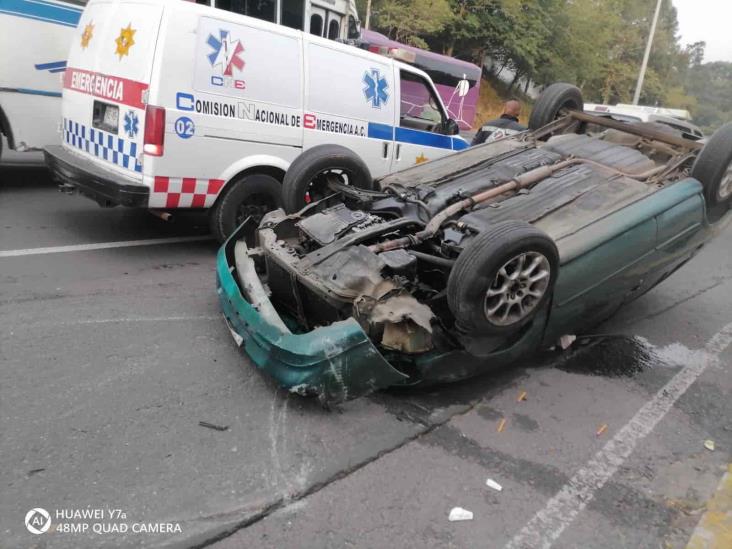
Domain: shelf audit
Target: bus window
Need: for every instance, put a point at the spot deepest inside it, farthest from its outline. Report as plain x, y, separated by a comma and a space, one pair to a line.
354, 28
334, 29
261, 9
292, 14
316, 24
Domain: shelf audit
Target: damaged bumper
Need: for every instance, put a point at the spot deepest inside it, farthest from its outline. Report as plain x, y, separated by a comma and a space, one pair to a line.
336, 362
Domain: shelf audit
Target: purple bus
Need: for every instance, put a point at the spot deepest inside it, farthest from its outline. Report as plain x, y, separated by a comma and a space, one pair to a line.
458, 82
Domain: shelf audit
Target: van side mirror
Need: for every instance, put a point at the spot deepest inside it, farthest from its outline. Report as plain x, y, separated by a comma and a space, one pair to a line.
450, 127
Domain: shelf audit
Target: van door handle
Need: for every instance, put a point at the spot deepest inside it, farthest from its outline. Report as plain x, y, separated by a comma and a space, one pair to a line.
399, 152
385, 151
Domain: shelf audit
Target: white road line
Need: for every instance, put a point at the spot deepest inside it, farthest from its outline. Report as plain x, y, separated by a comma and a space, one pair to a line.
102, 246
140, 319
549, 523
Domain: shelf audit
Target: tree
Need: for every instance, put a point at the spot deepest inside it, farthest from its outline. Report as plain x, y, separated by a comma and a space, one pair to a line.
408, 20
709, 83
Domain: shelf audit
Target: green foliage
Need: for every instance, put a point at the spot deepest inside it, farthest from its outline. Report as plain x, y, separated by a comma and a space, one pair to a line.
597, 44
711, 85
408, 20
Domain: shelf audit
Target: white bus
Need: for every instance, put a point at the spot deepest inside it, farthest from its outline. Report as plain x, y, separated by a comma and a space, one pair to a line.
35, 36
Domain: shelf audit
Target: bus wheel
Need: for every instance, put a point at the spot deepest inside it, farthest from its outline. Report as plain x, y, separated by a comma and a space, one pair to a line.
246, 196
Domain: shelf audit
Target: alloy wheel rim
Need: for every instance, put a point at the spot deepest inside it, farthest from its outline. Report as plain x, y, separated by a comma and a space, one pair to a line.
517, 288
725, 186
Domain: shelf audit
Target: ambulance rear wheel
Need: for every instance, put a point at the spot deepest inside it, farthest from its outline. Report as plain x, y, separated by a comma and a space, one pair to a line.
306, 179
250, 195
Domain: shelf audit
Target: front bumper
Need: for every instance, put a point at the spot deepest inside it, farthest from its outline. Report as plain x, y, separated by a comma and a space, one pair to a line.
336, 362
85, 176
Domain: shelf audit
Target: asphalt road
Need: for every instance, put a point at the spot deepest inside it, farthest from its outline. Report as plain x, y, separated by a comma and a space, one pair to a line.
110, 358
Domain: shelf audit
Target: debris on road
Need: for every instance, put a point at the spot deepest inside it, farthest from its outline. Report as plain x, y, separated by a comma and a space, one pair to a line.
501, 425
458, 513
601, 430
521, 397
490, 483
214, 427
709, 445
565, 342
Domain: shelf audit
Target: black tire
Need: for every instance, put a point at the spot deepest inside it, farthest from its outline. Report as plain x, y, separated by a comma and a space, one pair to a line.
476, 271
552, 101
247, 195
304, 177
713, 169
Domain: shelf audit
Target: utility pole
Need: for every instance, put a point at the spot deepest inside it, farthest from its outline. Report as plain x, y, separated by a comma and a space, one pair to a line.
646, 55
368, 14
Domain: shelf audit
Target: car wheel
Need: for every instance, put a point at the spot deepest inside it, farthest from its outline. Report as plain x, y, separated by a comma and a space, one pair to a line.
713, 169
552, 102
502, 279
249, 195
305, 180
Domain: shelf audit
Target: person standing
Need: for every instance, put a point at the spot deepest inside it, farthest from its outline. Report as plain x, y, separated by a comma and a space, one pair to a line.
506, 124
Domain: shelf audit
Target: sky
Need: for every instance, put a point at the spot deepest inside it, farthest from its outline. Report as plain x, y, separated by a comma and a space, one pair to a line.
708, 20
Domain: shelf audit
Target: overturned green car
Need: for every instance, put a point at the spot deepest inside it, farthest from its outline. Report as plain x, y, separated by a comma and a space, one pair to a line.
437, 272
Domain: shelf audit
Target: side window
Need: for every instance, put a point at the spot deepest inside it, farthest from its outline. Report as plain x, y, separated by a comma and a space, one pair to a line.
292, 13
316, 24
354, 30
419, 108
260, 9
334, 29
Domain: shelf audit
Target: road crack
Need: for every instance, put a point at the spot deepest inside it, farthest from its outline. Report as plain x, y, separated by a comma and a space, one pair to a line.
284, 501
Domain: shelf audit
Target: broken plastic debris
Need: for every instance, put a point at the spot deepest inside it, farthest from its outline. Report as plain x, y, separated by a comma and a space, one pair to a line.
458, 513
490, 483
301, 389
213, 426
709, 445
565, 342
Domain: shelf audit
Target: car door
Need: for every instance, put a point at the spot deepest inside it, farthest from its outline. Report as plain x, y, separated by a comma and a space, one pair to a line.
419, 119
603, 265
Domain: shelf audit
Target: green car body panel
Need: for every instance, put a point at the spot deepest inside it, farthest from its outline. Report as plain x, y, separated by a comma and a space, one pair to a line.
606, 264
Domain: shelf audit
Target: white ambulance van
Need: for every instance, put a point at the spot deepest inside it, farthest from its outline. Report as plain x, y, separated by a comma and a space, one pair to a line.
169, 104
34, 39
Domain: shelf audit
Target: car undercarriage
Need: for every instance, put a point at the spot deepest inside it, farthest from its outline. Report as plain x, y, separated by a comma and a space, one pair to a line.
384, 258
464, 259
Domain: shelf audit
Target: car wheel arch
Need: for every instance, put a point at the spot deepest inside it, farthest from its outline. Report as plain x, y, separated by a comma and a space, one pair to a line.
258, 164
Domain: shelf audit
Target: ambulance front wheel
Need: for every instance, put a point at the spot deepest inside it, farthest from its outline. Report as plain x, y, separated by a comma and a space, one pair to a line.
248, 195
306, 178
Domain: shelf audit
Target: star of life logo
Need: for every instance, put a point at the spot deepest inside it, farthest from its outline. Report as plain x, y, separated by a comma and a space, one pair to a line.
37, 521
132, 124
376, 88
225, 57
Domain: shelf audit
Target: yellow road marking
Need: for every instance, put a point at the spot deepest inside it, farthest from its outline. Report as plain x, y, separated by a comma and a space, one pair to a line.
714, 530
